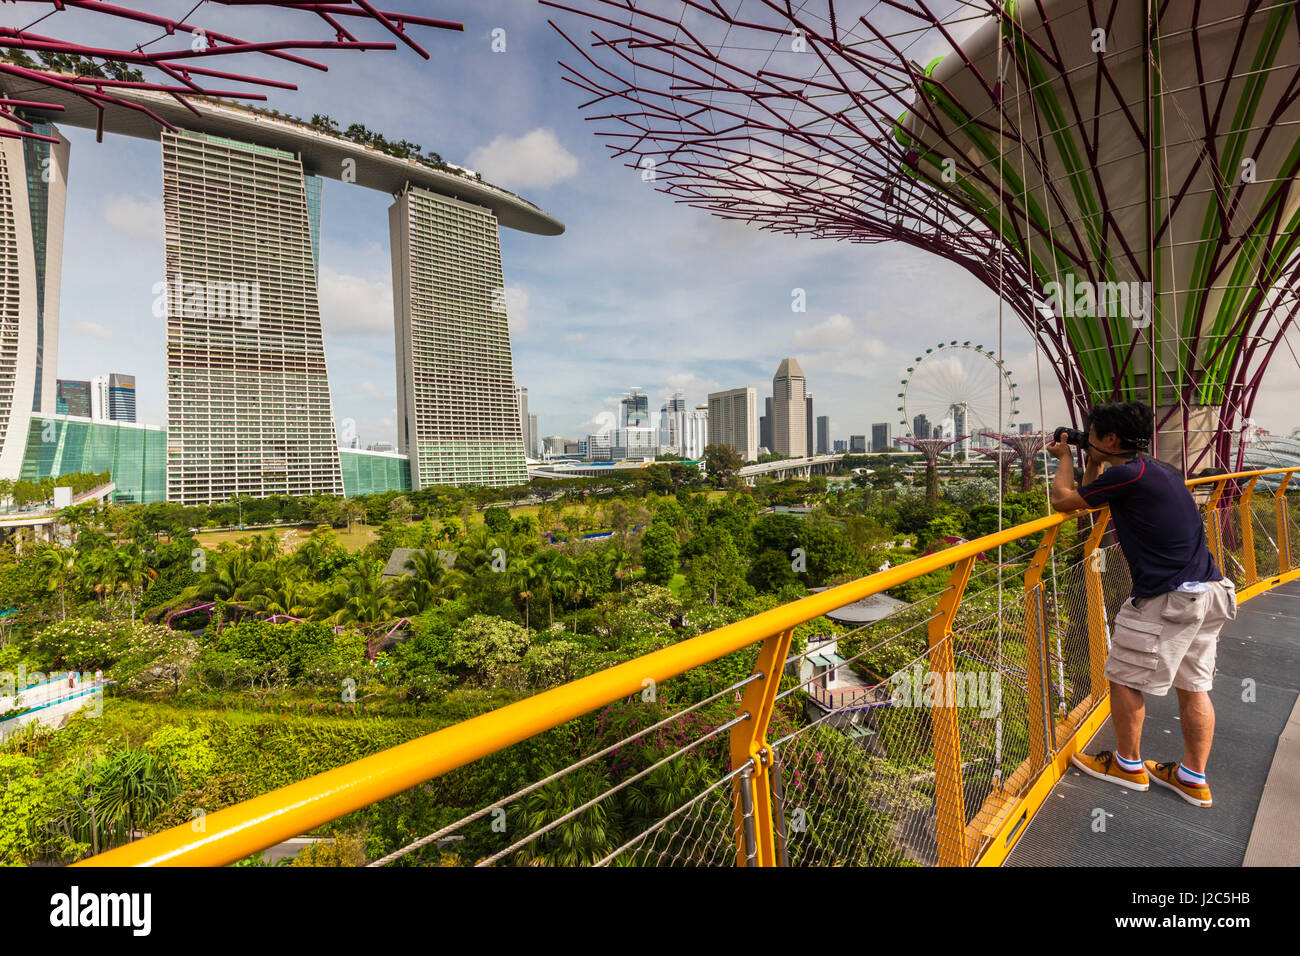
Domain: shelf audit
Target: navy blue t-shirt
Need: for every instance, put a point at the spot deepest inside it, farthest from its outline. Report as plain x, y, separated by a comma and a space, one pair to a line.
1159, 526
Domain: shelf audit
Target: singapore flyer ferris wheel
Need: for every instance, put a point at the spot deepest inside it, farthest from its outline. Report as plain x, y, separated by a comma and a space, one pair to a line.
957, 389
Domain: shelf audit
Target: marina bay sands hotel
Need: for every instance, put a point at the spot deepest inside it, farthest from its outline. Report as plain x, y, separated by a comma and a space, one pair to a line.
249, 409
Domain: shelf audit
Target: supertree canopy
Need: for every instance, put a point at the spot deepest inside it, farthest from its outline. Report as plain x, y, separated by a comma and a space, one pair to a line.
1028, 446
167, 54
1122, 174
1003, 457
931, 449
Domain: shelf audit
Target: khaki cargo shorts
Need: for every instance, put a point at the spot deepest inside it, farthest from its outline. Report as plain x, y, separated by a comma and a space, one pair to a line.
1170, 640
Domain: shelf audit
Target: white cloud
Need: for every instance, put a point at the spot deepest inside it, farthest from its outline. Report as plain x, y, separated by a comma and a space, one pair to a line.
137, 218
691, 384
517, 309
576, 337
833, 333
536, 160
351, 305
94, 330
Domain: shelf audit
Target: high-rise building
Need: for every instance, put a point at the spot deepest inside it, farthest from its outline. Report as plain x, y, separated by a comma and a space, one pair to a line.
99, 398
46, 168
636, 409
823, 434
958, 411
121, 397
840, 446
633, 442
696, 432
458, 411
672, 422
33, 190
598, 447
858, 444
533, 450
248, 401
72, 398
765, 425
880, 436
920, 426
732, 421
522, 395
789, 410
1026, 428
810, 442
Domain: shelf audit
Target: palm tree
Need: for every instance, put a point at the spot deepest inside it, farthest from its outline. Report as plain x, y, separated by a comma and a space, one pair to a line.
619, 563
526, 577
262, 548
59, 567
287, 594
565, 582
362, 597
131, 786
579, 841
101, 571
133, 571
429, 582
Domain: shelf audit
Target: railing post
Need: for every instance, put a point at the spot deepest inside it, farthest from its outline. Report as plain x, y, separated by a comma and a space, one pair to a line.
1248, 534
1283, 527
1035, 649
1096, 600
749, 742
949, 793
778, 811
1213, 534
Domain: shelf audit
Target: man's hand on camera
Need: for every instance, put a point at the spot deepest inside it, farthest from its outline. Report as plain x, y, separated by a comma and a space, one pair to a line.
1059, 449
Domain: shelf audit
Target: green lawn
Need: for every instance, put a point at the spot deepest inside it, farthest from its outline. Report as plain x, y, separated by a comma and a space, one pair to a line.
292, 537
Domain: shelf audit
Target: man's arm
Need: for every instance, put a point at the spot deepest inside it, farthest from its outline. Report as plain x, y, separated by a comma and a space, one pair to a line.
1064, 497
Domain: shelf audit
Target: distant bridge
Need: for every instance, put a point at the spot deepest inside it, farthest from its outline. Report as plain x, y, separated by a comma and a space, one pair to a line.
790, 468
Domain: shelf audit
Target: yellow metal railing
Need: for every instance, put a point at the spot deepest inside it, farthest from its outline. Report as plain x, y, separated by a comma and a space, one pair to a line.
974, 822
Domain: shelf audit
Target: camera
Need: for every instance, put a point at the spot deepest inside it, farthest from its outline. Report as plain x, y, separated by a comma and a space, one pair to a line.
1072, 436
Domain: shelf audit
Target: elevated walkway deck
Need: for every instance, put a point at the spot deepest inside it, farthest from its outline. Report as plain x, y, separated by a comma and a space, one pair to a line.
1256, 797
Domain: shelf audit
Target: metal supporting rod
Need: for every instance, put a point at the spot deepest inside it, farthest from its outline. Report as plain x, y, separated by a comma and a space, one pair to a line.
1035, 641
748, 836
1096, 600
778, 811
949, 795
1283, 526
1248, 534
749, 745
1049, 725
1213, 534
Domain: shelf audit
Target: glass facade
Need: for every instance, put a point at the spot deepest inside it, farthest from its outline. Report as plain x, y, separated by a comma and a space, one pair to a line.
373, 473
136, 456
35, 156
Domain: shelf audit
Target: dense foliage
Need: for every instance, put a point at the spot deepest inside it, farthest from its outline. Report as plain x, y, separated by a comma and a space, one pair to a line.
244, 660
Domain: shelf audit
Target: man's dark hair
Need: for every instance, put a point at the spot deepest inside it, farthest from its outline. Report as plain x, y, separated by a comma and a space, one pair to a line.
1133, 422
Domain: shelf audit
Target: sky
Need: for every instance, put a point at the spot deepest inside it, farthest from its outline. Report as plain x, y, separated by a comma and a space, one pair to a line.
638, 292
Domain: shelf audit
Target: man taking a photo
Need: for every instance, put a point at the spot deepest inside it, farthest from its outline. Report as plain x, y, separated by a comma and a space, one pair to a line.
1166, 634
